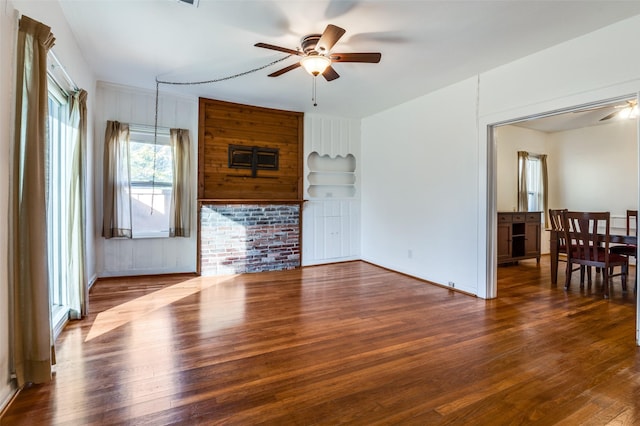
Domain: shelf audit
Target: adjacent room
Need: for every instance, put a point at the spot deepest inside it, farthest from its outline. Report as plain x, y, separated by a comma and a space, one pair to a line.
293, 212
590, 153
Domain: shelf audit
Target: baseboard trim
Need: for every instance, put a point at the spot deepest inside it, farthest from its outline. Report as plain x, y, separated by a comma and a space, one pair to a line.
456, 290
7, 403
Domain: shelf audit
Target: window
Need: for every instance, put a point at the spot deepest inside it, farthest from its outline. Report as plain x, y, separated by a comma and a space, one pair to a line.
534, 184
57, 178
151, 169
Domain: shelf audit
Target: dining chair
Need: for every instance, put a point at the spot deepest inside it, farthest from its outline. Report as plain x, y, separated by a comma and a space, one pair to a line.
587, 235
557, 224
628, 250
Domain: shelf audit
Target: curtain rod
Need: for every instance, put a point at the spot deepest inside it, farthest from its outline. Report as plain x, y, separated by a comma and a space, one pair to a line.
64, 71
146, 128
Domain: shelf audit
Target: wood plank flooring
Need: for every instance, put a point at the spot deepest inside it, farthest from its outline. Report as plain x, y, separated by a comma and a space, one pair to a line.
347, 343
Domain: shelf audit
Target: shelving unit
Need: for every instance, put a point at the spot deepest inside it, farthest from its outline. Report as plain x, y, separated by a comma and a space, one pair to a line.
331, 211
331, 177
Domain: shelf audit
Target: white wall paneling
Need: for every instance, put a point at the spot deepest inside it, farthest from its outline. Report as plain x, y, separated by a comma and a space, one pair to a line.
154, 255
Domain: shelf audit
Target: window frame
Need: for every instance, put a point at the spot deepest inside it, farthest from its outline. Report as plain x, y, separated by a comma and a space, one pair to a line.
141, 134
58, 292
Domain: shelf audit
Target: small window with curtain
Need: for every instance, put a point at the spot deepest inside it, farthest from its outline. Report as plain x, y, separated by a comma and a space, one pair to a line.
532, 183
151, 171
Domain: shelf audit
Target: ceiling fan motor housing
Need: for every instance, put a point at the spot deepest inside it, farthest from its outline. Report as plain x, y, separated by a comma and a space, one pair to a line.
309, 43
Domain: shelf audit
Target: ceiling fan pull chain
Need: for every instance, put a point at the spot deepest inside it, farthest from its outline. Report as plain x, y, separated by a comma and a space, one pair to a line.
314, 93
155, 148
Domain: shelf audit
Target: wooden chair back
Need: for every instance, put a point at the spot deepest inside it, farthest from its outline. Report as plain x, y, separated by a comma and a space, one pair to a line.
556, 218
588, 237
584, 245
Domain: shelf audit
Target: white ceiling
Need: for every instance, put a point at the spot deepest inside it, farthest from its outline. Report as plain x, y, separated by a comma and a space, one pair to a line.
425, 45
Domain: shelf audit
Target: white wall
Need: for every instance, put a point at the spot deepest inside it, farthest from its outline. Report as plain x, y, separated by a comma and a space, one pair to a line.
434, 195
596, 168
419, 187
7, 48
66, 50
118, 257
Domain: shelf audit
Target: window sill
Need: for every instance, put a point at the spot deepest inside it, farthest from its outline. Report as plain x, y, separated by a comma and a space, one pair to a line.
147, 236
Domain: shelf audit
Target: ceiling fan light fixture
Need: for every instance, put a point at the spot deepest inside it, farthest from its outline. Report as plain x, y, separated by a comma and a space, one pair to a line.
315, 64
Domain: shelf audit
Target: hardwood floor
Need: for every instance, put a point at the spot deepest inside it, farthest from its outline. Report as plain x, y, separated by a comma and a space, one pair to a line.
348, 343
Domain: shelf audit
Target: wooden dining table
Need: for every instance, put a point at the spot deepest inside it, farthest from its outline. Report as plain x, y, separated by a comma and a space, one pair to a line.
554, 245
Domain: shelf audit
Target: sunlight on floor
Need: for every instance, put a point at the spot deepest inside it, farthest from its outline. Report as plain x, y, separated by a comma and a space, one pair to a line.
134, 309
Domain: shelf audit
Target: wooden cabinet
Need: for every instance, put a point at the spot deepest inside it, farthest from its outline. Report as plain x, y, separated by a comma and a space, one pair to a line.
518, 236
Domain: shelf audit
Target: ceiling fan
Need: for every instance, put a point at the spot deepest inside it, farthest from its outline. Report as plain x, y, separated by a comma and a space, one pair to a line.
629, 110
315, 50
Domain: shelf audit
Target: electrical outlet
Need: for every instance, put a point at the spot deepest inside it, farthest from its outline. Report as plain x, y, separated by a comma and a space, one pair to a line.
452, 284
410, 254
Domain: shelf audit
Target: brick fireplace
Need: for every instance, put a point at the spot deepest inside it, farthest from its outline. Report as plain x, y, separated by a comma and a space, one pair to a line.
239, 238
249, 188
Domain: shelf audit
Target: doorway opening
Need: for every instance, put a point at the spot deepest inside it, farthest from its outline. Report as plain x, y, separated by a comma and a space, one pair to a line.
561, 125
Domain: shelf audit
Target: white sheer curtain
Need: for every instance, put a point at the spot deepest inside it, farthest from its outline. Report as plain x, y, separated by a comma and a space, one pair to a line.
117, 182
77, 284
31, 342
180, 211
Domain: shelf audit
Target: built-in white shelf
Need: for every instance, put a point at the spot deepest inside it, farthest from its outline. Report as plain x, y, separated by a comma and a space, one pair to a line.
331, 177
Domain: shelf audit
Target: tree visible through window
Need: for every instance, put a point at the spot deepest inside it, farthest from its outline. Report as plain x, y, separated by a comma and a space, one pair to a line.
151, 171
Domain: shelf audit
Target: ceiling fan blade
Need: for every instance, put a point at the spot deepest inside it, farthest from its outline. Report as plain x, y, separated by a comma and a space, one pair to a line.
613, 114
285, 69
629, 104
329, 38
330, 74
372, 58
278, 48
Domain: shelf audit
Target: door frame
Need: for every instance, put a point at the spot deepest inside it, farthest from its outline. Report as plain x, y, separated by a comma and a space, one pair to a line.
490, 220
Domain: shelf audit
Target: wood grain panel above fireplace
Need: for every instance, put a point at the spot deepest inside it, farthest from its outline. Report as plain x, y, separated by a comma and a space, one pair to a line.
225, 126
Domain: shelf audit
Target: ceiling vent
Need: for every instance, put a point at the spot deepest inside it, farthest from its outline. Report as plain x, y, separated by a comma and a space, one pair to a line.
193, 3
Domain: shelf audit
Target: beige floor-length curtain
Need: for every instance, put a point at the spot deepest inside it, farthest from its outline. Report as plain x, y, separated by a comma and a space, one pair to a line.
180, 210
31, 334
523, 196
116, 206
78, 296
545, 189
